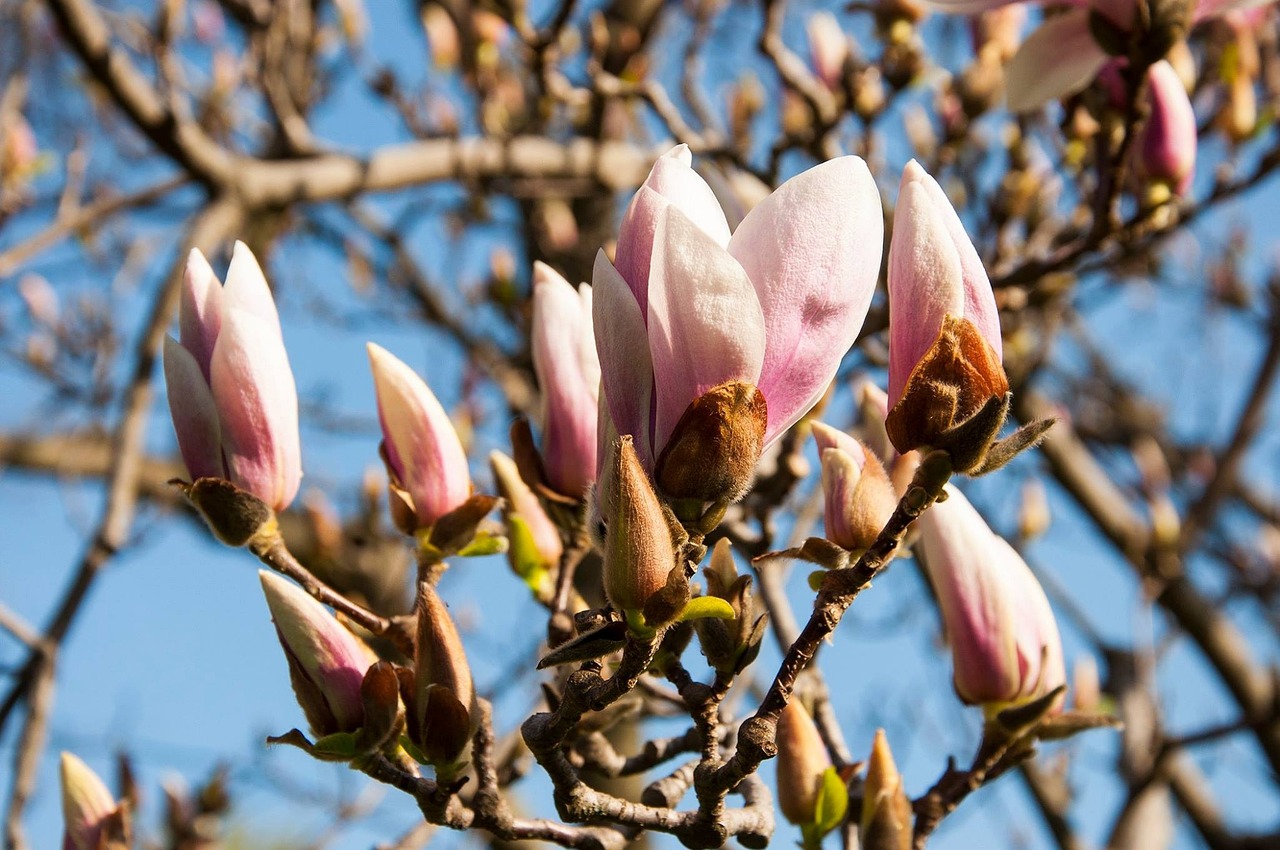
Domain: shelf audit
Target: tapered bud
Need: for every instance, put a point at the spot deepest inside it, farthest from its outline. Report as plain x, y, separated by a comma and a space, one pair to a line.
873, 409
858, 496
828, 48
944, 331
231, 391
1004, 639
886, 810
1168, 143
1033, 516
730, 645
1086, 689
523, 506
327, 663
425, 460
568, 370
638, 550
86, 805
443, 701
802, 761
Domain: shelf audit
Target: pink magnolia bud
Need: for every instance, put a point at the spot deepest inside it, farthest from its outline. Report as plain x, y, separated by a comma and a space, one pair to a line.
944, 331
687, 309
568, 369
859, 498
424, 455
86, 804
802, 760
231, 391
1004, 639
1168, 142
828, 48
327, 662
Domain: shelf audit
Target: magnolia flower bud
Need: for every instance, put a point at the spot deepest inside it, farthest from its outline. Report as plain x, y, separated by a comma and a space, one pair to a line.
802, 761
886, 810
859, 498
1086, 688
231, 391
442, 702
730, 645
86, 804
523, 506
1168, 144
425, 460
1004, 639
944, 331
828, 48
568, 370
327, 662
638, 550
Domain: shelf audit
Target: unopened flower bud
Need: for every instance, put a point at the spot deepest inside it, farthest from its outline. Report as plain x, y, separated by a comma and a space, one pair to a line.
944, 331
638, 550
1034, 516
443, 702
1168, 143
729, 645
86, 805
1086, 689
523, 507
859, 498
802, 761
886, 810
828, 48
327, 663
1004, 639
231, 391
425, 459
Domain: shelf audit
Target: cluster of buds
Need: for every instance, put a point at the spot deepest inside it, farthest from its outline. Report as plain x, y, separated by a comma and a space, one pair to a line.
231, 391
356, 704
712, 345
730, 644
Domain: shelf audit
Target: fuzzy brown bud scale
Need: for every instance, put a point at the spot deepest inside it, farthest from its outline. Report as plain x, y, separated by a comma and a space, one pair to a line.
956, 380
638, 554
712, 453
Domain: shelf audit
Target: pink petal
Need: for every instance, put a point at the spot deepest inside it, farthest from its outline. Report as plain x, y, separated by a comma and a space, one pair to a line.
1206, 9
840, 475
924, 281
565, 360
705, 321
257, 404
812, 251
626, 367
195, 418
247, 289
1060, 58
825, 437
199, 310
421, 437
671, 181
